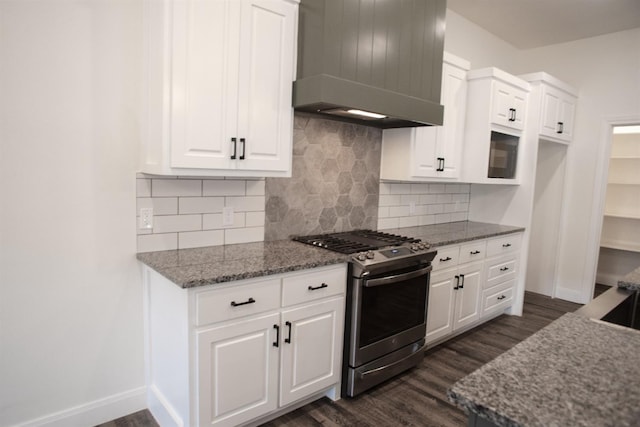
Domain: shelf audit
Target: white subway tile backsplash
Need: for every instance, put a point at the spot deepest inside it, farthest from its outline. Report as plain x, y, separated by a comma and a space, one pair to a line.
198, 239
176, 187
174, 223
194, 205
255, 188
143, 187
243, 235
254, 219
157, 242
246, 204
384, 223
188, 211
432, 203
389, 200
160, 205
214, 221
408, 221
224, 188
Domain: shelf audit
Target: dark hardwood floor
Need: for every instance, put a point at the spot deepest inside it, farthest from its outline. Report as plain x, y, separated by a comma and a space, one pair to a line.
418, 397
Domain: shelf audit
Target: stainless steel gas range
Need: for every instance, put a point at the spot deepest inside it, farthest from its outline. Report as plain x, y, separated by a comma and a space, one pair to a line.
386, 308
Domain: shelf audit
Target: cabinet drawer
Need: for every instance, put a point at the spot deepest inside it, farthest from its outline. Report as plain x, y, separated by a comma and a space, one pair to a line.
503, 245
498, 297
314, 285
473, 251
501, 270
446, 257
218, 305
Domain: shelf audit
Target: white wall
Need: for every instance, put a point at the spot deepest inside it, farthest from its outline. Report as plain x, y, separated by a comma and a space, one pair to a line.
71, 337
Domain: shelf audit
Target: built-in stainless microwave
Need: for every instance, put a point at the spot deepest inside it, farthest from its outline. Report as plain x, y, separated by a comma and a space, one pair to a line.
503, 155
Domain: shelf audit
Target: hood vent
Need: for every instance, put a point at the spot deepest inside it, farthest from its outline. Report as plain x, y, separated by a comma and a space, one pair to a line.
382, 57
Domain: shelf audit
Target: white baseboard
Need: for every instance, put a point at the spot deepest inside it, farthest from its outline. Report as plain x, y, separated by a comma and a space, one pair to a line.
93, 413
570, 295
608, 279
159, 406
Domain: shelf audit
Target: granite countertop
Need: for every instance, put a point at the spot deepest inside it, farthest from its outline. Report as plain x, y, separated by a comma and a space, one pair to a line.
189, 268
631, 281
576, 371
455, 232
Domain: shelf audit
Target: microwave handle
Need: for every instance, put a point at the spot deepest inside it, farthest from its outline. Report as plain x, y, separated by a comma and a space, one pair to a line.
396, 278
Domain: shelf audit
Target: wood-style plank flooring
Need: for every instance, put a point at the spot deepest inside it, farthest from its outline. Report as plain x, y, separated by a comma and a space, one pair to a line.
418, 397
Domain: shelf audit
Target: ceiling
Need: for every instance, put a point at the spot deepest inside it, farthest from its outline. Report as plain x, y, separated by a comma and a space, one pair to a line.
528, 24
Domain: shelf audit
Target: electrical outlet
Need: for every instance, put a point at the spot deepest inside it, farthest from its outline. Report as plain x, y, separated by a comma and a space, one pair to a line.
412, 208
146, 218
227, 215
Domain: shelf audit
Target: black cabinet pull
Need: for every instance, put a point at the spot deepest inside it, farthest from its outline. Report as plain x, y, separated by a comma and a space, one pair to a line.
277, 328
315, 288
504, 268
237, 304
244, 143
501, 297
235, 146
512, 114
288, 339
440, 167
474, 252
456, 287
560, 127
462, 281
445, 259
506, 245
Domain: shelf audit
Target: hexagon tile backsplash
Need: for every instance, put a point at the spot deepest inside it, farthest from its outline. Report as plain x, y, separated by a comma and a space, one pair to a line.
334, 184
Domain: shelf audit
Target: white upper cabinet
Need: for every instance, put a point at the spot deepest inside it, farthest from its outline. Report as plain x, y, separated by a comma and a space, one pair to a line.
219, 86
554, 104
425, 153
497, 105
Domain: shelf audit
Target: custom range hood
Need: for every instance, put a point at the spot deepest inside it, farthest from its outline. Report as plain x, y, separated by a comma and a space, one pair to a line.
372, 62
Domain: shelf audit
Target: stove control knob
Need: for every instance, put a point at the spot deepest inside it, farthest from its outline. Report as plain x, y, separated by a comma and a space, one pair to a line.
415, 247
369, 254
361, 256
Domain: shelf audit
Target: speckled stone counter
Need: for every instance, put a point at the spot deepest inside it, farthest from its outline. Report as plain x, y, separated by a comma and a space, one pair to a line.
631, 281
455, 232
189, 268
574, 372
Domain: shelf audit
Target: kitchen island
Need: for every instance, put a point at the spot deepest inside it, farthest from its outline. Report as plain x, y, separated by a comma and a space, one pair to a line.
576, 371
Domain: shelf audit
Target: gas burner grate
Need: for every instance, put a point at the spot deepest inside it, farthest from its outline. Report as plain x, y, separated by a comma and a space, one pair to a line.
350, 242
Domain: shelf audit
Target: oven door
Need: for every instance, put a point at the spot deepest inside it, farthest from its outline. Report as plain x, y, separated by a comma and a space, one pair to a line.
389, 312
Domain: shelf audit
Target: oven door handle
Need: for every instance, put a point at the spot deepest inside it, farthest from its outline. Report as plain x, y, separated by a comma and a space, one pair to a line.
396, 278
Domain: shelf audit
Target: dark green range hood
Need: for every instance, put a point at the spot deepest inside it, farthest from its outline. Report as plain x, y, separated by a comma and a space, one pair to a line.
376, 56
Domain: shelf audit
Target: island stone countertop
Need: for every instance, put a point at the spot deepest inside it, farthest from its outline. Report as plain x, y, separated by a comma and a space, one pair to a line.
189, 268
574, 372
631, 281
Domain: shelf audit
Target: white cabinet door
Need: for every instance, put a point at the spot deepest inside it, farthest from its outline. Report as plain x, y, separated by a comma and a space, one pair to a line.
424, 149
204, 77
440, 308
508, 107
558, 110
451, 133
467, 309
237, 371
232, 68
311, 341
265, 115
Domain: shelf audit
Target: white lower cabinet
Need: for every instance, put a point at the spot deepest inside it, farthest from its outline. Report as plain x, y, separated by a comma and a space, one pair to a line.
470, 284
232, 354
